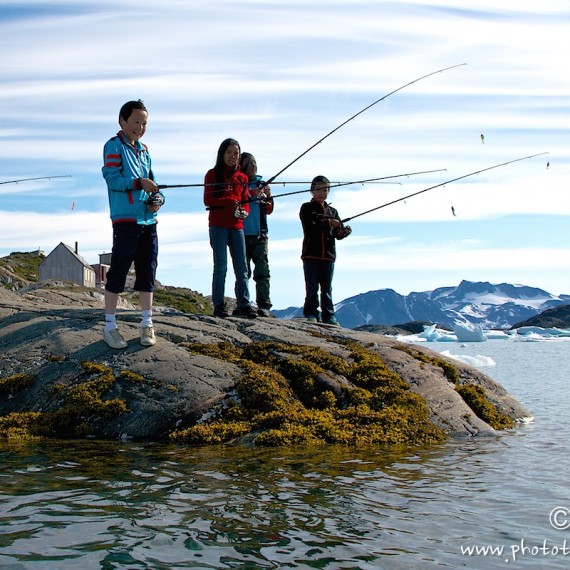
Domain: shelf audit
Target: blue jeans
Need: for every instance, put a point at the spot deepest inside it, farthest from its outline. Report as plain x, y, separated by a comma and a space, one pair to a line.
222, 239
318, 273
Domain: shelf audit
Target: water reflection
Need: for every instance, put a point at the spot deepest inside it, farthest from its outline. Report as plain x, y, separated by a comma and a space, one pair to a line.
125, 505
117, 505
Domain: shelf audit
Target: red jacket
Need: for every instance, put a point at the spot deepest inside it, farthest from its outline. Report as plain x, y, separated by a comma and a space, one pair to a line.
222, 203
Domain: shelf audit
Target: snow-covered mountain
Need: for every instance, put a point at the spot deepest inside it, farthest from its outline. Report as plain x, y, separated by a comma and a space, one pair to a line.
490, 306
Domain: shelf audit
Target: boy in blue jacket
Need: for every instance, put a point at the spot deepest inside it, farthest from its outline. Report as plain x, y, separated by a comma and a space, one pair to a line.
257, 234
134, 200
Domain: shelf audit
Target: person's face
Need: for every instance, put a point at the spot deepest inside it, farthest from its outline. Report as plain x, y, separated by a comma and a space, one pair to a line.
135, 126
321, 192
251, 169
231, 156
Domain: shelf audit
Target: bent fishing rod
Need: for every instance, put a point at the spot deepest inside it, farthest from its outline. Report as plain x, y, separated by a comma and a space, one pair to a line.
39, 178
441, 184
262, 183
339, 184
265, 183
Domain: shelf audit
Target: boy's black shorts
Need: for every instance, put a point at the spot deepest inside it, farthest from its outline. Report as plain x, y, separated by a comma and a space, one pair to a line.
133, 243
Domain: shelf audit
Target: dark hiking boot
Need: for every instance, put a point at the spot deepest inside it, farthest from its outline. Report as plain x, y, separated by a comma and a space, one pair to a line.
248, 312
221, 311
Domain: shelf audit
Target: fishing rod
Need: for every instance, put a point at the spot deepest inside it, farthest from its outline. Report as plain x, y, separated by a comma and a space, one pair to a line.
284, 183
441, 184
338, 184
39, 178
163, 186
199, 185
262, 183
332, 182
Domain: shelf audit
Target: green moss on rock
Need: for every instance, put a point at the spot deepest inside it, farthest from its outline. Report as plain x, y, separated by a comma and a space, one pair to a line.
17, 426
130, 376
182, 299
82, 408
291, 394
476, 398
15, 383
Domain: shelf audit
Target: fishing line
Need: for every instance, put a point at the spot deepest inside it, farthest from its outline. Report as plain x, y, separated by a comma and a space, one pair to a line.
442, 184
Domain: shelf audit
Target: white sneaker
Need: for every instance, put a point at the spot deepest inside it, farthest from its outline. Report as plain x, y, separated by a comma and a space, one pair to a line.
114, 339
147, 336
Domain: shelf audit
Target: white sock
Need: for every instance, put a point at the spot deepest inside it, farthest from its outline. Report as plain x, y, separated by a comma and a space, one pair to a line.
110, 322
146, 318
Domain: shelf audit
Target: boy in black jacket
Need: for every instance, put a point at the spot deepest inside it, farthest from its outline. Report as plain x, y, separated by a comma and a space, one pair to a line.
321, 227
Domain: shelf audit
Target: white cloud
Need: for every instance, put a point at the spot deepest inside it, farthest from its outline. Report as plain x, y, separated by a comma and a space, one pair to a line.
278, 78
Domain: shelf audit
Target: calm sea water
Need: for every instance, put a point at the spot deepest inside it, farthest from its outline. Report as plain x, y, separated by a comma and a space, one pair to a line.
502, 502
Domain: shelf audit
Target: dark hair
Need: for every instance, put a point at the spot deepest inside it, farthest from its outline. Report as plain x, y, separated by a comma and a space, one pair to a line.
245, 159
219, 169
319, 180
129, 107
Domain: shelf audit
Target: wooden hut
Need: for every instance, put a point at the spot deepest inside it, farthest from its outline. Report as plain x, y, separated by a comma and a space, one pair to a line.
65, 264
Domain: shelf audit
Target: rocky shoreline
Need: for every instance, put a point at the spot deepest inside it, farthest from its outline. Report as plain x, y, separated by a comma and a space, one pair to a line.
52, 352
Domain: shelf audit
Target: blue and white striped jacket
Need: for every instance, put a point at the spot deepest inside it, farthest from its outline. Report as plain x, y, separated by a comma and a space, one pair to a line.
124, 165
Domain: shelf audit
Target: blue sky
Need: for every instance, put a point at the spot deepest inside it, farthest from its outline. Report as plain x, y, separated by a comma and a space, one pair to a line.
278, 77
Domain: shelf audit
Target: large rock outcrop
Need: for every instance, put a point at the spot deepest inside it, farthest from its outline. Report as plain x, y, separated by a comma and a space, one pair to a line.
51, 342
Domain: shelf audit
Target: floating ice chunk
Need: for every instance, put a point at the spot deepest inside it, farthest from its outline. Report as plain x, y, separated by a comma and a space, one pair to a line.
477, 361
543, 332
468, 332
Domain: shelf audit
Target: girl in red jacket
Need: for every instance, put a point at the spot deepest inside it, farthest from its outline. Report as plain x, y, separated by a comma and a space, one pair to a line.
225, 196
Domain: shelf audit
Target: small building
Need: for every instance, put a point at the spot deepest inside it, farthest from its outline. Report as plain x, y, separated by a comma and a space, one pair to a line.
65, 264
101, 269
105, 264
100, 274
105, 258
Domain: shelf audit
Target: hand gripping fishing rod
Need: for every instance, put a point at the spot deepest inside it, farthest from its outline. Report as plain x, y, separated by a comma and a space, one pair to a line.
441, 184
265, 183
40, 178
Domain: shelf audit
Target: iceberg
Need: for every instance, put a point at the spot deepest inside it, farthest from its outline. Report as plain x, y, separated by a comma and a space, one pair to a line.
432, 334
476, 361
464, 332
543, 332
469, 332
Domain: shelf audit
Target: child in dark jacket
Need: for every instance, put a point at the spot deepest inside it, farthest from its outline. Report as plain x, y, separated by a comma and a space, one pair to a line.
322, 226
257, 234
226, 196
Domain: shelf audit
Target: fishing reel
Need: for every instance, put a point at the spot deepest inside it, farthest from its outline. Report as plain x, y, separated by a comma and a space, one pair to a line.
342, 232
155, 199
262, 196
240, 212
